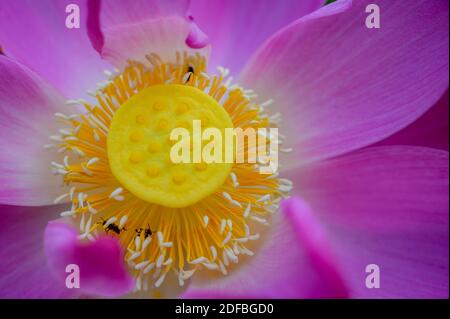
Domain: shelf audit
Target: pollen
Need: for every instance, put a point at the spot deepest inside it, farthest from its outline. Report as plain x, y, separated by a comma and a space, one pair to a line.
172, 218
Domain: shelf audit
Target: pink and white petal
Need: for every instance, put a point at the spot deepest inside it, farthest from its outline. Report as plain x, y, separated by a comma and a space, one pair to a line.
295, 261
386, 206
430, 130
341, 86
237, 28
123, 31
27, 106
117, 12
24, 272
101, 263
35, 33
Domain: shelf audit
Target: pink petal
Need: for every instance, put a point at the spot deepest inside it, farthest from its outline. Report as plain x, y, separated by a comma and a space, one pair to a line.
430, 130
237, 28
23, 267
387, 206
130, 30
341, 86
196, 39
293, 262
34, 32
101, 263
27, 105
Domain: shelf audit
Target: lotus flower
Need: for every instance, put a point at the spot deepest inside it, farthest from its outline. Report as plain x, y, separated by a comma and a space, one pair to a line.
363, 111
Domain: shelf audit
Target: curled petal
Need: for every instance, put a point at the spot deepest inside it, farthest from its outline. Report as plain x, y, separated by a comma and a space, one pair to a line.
196, 39
101, 264
123, 31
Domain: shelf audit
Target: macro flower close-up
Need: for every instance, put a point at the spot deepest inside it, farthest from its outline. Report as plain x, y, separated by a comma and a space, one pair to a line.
345, 194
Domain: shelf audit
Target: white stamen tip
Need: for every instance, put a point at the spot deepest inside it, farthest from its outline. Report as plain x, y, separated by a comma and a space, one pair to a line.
60, 198
222, 226
264, 198
141, 265
134, 256
92, 161
123, 220
159, 261
110, 221
160, 238
116, 192
148, 268
146, 242
227, 239
167, 244
160, 280
247, 210
213, 252
67, 213
198, 261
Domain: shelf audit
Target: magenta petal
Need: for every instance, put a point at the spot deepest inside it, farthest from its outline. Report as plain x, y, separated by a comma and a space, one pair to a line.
430, 130
237, 28
196, 39
34, 32
23, 266
121, 31
341, 86
387, 206
294, 262
27, 106
101, 263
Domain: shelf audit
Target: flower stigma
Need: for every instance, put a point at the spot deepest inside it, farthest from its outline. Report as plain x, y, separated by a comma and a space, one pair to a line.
139, 145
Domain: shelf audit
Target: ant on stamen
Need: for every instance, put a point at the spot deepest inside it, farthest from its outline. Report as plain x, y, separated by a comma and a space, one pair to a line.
112, 227
147, 231
190, 71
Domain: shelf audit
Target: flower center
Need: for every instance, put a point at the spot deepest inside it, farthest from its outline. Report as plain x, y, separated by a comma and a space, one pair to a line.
139, 145
171, 218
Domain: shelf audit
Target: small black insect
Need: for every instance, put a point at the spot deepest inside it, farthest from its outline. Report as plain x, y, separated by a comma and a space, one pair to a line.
190, 71
112, 227
147, 231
